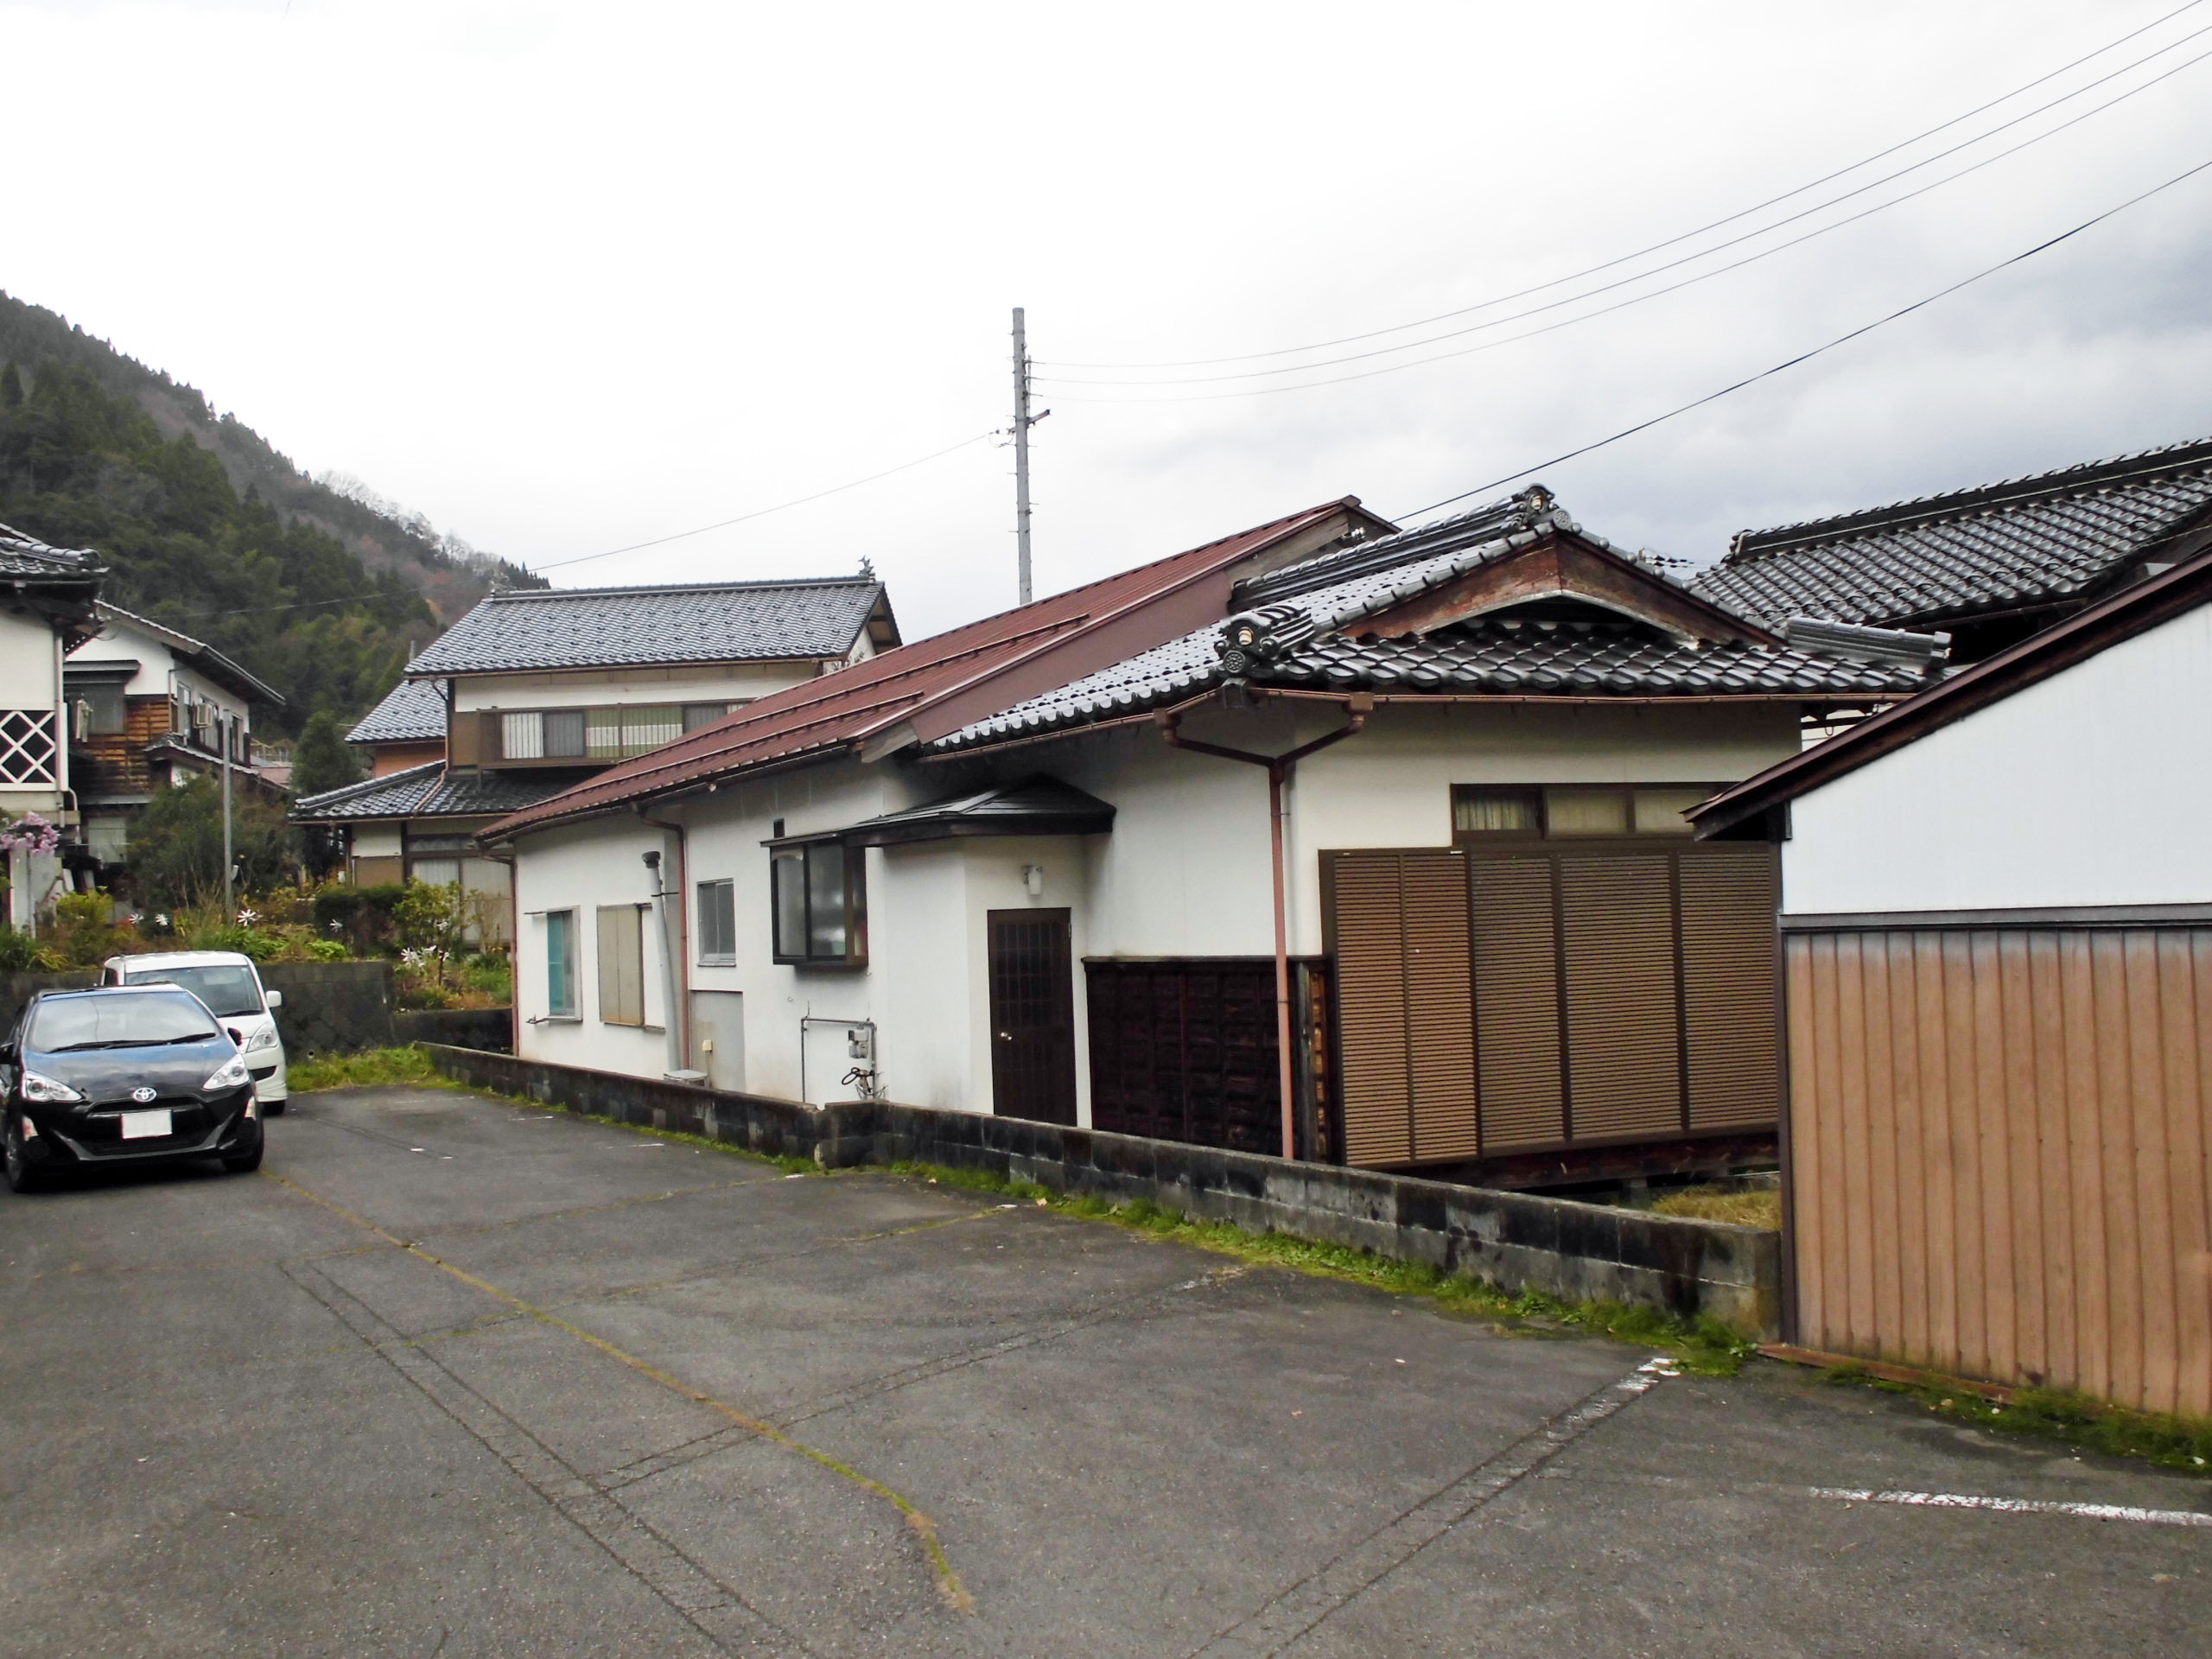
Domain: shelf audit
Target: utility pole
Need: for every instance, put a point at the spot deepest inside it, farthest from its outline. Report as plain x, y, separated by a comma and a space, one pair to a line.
1022, 422
226, 734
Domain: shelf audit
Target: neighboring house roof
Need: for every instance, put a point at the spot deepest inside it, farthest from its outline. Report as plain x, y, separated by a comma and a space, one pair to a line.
611, 627
204, 657
414, 711
874, 698
1998, 548
28, 557
1035, 806
2133, 610
429, 792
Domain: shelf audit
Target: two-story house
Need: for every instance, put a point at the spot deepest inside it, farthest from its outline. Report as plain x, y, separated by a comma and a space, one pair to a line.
150, 708
47, 596
534, 691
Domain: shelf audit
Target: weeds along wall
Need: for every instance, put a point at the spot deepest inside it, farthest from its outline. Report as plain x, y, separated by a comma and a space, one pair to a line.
1513, 1240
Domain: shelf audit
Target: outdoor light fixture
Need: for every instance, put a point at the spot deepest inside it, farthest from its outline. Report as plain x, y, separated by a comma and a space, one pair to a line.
1032, 877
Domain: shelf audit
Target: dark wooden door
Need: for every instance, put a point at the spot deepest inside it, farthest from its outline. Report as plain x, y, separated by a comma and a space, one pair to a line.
1033, 1016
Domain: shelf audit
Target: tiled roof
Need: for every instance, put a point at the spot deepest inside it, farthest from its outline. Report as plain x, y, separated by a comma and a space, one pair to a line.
27, 556
223, 670
854, 703
1995, 548
1034, 806
414, 711
605, 627
429, 792
1483, 656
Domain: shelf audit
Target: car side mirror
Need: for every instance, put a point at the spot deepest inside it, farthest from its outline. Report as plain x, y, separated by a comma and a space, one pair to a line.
232, 1032
274, 999
7, 1053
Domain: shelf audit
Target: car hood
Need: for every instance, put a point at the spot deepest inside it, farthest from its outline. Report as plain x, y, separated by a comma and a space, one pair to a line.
105, 1076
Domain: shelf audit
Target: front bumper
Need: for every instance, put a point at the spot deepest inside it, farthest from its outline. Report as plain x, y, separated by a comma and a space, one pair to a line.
269, 1074
216, 1128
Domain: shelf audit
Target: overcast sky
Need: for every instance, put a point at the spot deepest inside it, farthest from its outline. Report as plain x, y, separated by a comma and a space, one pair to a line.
567, 277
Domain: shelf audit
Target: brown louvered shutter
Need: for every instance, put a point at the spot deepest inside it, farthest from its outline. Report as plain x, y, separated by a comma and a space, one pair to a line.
1730, 894
1623, 1007
1368, 940
1517, 1003
1439, 1006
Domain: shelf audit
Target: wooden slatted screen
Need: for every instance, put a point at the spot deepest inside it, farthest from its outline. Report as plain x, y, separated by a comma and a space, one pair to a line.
1185, 1050
1729, 897
1369, 942
1440, 1005
1520, 1081
1616, 923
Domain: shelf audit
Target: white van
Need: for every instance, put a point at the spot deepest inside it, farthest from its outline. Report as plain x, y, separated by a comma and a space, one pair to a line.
231, 987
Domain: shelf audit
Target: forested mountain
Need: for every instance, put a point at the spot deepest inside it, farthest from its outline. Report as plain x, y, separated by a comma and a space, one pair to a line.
210, 530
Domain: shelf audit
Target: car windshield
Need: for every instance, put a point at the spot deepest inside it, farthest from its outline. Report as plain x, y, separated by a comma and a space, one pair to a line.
141, 1021
228, 987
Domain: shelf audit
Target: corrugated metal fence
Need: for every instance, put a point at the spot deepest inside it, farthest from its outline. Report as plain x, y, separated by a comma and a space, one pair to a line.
1999, 1148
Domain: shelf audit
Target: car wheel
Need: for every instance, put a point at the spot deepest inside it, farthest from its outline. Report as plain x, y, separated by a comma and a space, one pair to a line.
22, 1177
245, 1162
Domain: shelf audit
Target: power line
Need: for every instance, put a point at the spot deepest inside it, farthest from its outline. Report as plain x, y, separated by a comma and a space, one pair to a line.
1638, 299
1718, 270
758, 512
1592, 271
1806, 357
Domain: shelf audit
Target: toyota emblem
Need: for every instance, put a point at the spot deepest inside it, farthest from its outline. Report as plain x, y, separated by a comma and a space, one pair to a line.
142, 1094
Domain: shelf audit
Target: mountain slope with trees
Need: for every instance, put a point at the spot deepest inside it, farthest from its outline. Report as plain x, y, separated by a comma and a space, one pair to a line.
321, 591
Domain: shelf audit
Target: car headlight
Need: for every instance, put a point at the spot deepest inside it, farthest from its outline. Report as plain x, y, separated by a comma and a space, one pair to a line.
46, 1092
230, 1074
265, 1037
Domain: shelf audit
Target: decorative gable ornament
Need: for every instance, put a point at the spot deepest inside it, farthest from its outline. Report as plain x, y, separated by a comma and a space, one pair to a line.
1255, 638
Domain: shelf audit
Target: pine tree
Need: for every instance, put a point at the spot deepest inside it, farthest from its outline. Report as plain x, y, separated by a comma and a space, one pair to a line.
322, 760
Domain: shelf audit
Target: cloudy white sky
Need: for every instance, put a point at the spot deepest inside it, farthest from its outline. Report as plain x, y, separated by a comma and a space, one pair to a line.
567, 277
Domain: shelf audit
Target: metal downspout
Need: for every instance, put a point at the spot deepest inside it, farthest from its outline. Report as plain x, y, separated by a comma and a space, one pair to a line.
1279, 768
675, 945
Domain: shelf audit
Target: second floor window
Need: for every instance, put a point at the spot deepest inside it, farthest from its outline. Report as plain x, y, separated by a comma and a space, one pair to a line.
609, 734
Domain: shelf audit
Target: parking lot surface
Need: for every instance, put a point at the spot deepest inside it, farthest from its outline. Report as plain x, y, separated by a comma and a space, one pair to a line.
452, 1378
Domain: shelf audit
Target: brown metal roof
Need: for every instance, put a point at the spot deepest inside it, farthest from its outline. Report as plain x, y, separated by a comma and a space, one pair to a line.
2131, 611
846, 708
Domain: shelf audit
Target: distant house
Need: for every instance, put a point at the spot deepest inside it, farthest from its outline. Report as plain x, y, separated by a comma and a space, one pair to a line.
150, 708
1997, 921
1988, 565
535, 691
47, 600
1324, 838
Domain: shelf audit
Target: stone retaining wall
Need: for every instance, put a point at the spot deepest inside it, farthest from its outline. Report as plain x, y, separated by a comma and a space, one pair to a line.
1516, 1241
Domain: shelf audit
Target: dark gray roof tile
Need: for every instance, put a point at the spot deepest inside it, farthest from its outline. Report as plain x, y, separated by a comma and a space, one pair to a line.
413, 712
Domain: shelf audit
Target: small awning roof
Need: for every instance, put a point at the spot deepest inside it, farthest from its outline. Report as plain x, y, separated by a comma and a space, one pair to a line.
1035, 806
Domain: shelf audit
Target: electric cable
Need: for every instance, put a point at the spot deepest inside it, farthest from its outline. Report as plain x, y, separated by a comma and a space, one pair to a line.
1806, 357
1718, 270
1592, 271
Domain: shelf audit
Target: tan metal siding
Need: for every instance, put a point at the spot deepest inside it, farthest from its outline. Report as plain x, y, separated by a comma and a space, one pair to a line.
1999, 1155
1522, 1085
1369, 924
1439, 1006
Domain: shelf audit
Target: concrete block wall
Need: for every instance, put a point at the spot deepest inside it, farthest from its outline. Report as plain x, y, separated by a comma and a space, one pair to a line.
1516, 1241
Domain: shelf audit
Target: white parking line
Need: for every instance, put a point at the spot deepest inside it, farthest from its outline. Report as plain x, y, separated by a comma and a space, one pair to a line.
2018, 1506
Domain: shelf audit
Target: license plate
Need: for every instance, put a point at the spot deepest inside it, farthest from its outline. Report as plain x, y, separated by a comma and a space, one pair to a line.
145, 1126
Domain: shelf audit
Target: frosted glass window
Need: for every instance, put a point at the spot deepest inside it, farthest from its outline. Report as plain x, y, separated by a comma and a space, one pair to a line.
1494, 812
651, 726
522, 737
437, 871
1587, 811
564, 733
561, 963
1659, 811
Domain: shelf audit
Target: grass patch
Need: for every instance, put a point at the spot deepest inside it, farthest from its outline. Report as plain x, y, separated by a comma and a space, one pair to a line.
1756, 1208
370, 1068
2073, 1420
1705, 1347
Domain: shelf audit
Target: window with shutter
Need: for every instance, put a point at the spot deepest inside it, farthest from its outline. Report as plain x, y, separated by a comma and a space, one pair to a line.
622, 965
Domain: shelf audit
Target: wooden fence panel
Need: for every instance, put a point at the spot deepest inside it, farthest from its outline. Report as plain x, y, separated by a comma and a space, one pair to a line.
1999, 1155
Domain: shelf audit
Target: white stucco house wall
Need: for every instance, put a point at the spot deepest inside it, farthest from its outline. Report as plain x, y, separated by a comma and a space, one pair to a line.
971, 872
47, 596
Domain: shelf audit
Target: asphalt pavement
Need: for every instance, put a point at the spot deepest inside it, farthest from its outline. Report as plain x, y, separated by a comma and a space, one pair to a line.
451, 1377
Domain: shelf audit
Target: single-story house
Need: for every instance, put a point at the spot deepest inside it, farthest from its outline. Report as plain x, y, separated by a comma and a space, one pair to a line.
1997, 924
536, 689
1324, 838
1988, 565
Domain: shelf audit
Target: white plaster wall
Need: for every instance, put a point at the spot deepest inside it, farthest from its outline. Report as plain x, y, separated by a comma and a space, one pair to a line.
581, 869
714, 683
29, 652
118, 641
2093, 787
